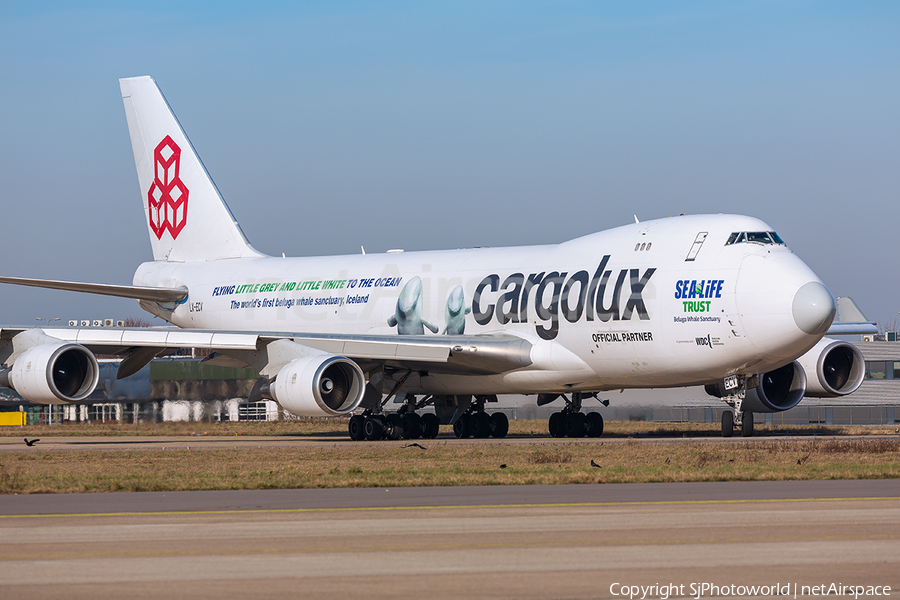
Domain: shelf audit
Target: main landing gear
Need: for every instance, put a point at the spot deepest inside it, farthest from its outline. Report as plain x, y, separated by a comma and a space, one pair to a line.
395, 426
571, 422
468, 417
374, 424
405, 424
476, 423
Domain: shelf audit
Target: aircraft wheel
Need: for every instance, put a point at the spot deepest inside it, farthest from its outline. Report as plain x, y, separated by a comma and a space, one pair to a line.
374, 428
747, 424
412, 426
557, 425
431, 425
481, 425
357, 428
594, 424
395, 426
727, 423
499, 425
575, 425
462, 428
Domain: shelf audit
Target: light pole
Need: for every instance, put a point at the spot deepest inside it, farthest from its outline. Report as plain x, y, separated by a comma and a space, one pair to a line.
48, 320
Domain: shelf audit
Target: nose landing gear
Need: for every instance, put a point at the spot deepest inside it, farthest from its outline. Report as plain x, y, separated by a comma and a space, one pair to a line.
739, 419
742, 419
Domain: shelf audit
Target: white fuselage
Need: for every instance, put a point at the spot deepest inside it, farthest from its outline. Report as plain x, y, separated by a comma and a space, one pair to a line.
652, 304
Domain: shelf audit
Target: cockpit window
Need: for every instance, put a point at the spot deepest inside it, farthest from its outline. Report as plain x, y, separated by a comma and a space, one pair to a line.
759, 237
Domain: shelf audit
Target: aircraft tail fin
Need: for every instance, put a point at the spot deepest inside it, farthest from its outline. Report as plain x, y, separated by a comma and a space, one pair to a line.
186, 216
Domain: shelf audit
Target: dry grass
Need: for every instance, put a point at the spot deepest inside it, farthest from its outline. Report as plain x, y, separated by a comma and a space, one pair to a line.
294, 427
338, 427
443, 464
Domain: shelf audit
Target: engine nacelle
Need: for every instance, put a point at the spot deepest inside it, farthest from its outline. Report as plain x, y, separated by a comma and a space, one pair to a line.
322, 385
56, 373
833, 368
778, 390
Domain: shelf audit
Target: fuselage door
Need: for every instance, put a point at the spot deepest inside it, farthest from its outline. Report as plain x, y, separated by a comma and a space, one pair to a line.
695, 249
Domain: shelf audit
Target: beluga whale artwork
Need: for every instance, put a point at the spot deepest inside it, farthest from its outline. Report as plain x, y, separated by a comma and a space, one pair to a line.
408, 317
455, 312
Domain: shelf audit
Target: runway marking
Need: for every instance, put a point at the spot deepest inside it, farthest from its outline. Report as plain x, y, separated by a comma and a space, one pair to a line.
459, 546
445, 507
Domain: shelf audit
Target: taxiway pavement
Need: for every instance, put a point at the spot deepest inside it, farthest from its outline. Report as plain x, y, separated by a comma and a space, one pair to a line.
461, 542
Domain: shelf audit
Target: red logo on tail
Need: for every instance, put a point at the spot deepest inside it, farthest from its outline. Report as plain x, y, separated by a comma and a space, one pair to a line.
167, 196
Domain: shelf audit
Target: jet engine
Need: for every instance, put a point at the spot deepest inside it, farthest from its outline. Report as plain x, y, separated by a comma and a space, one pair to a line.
833, 368
53, 373
778, 390
322, 385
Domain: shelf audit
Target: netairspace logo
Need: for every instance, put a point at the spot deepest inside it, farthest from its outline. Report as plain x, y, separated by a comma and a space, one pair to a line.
702, 590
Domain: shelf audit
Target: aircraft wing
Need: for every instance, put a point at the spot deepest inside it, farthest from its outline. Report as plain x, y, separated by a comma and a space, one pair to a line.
472, 354
852, 328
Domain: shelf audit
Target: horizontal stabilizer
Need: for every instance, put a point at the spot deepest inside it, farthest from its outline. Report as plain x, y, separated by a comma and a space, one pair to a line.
123, 291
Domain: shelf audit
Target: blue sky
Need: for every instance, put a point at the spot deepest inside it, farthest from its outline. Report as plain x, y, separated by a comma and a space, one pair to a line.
481, 124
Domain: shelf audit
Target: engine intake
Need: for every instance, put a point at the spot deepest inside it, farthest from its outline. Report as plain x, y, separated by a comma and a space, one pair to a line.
59, 373
833, 368
322, 385
778, 390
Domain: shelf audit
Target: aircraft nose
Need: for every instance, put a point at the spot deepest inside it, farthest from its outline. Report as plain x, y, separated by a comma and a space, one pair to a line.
813, 308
